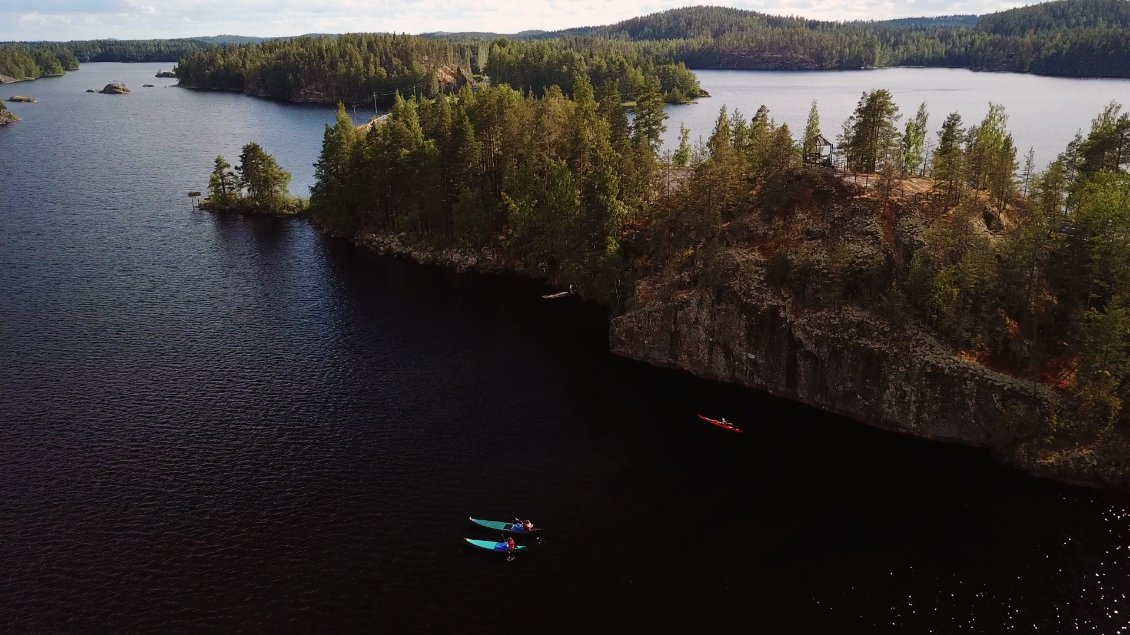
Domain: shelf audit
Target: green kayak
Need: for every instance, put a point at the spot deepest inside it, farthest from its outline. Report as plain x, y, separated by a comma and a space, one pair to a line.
492, 545
511, 528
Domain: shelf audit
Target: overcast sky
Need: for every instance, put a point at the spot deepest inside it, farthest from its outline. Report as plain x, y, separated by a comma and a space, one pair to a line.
33, 20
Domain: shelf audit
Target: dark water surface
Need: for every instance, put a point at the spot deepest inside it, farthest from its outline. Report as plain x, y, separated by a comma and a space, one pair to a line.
214, 424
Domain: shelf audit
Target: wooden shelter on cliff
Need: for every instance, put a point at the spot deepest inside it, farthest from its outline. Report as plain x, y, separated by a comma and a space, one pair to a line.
818, 151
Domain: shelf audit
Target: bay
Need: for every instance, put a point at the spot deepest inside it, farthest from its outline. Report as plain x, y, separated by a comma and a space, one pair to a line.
223, 424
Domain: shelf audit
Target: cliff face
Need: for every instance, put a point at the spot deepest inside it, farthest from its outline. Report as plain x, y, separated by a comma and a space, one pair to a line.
852, 363
803, 297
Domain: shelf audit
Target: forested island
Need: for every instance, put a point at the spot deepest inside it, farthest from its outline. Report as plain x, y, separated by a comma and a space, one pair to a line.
257, 185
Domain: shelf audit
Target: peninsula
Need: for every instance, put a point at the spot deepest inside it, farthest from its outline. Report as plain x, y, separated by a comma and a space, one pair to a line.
945, 306
7, 116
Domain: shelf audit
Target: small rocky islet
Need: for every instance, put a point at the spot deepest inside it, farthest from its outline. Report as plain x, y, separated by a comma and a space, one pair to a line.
114, 88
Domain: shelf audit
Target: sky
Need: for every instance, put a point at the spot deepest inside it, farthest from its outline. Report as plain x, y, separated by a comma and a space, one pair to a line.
60, 20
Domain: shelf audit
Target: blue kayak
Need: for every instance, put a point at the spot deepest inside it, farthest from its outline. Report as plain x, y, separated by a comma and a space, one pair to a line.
511, 528
492, 545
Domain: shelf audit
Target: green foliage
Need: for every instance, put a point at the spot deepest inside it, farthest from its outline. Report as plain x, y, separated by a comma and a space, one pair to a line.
471, 219
913, 142
1107, 146
257, 186
682, 156
265, 181
335, 173
223, 184
1103, 337
32, 61
991, 155
352, 68
953, 273
811, 130
649, 116
948, 167
869, 135
643, 73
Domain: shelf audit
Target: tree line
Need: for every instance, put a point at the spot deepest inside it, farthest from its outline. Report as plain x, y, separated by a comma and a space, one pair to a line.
535, 65
32, 60
23, 61
353, 68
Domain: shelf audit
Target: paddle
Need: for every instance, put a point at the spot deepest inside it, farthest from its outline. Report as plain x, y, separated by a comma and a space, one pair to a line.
522, 525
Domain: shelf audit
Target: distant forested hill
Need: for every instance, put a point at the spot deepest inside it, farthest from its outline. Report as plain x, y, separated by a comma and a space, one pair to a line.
1076, 38
1058, 16
1081, 38
220, 40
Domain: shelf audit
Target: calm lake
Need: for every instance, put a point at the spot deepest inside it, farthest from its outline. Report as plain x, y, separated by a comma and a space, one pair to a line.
1044, 113
219, 424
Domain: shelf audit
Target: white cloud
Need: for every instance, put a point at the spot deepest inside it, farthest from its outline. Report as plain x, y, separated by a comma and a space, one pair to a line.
142, 19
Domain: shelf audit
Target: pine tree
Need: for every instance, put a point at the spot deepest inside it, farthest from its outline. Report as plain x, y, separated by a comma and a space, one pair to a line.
333, 172
812, 134
265, 181
223, 184
649, 114
1028, 170
948, 166
913, 142
682, 156
870, 132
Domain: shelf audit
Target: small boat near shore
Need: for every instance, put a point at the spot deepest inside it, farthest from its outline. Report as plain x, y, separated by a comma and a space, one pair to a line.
721, 423
561, 294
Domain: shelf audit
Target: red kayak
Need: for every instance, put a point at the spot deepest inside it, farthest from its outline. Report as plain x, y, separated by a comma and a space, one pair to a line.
725, 425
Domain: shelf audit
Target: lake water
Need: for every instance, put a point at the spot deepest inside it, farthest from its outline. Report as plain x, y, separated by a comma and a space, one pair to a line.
1044, 113
218, 424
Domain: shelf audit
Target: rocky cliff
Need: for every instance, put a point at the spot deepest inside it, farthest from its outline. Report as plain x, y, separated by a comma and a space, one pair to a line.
800, 299
852, 363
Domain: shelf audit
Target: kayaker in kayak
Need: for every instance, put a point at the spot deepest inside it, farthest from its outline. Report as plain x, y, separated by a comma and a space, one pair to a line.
527, 525
510, 544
